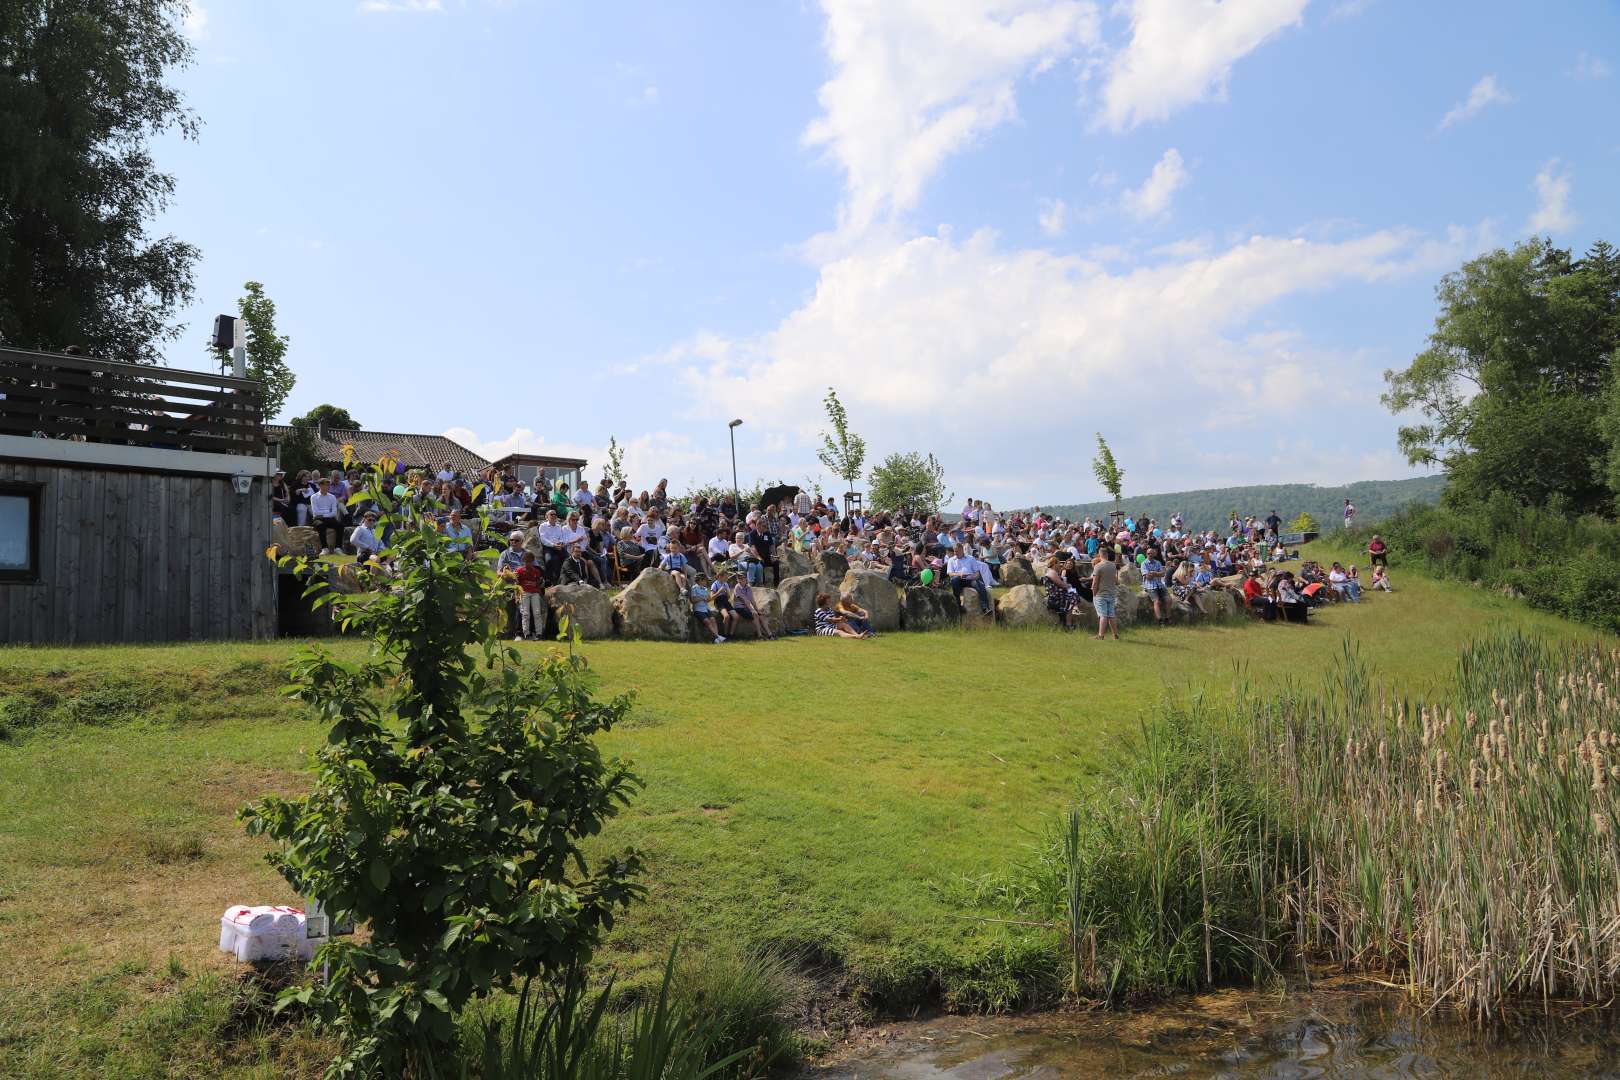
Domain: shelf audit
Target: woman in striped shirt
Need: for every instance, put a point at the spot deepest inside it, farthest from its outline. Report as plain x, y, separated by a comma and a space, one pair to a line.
829, 623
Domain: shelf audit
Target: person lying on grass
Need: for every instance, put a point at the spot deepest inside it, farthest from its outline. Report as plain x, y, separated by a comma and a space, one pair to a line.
829, 623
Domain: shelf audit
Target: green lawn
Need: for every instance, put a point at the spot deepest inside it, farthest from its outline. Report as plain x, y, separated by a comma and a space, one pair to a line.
831, 796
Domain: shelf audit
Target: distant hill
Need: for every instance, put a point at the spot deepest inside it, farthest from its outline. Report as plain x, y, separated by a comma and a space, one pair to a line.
1209, 509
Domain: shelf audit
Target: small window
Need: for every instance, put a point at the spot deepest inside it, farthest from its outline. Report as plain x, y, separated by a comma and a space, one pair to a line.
19, 531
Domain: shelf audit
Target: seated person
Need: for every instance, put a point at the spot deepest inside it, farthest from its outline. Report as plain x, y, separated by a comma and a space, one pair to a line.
1343, 586
1289, 599
742, 595
724, 614
964, 574
364, 538
1254, 594
1061, 597
855, 616
675, 564
829, 623
701, 608
1380, 578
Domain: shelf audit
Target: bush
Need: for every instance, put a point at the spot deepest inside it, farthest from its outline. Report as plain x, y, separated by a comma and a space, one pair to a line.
448, 809
1557, 562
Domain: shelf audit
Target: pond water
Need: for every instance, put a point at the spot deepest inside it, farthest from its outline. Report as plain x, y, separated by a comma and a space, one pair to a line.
1325, 1032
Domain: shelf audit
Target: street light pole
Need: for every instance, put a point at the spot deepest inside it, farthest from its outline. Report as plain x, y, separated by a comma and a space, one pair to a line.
736, 494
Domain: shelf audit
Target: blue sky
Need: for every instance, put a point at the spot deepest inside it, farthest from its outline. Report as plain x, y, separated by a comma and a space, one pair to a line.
996, 226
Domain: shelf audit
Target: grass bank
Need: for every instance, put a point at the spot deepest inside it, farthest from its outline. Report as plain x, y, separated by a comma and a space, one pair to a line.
838, 800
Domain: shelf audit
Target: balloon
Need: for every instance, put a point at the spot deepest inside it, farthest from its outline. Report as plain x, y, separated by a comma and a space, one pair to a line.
927, 577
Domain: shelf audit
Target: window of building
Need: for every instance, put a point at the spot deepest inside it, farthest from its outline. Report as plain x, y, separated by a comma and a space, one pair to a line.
19, 531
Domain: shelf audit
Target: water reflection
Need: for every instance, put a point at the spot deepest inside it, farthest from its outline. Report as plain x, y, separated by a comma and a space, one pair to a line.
1327, 1034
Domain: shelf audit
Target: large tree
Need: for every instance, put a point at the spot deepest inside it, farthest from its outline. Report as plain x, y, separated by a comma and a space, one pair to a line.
1509, 389
266, 349
911, 484
83, 87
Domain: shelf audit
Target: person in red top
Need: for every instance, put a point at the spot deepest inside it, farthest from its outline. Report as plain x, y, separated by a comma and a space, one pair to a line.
1378, 550
531, 581
1254, 594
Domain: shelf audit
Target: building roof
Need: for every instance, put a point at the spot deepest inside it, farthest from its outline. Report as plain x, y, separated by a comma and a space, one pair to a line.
541, 459
412, 451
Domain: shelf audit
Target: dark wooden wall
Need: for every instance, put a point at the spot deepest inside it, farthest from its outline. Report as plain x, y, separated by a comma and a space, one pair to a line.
130, 556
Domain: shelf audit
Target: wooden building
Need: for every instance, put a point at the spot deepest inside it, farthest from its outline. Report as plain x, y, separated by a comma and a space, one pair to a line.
134, 503
530, 467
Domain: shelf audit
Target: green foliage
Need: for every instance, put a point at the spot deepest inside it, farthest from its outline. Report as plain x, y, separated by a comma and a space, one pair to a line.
334, 417
1609, 428
744, 999
448, 806
615, 462
1107, 470
1521, 352
1214, 507
572, 1035
1568, 565
716, 490
266, 349
82, 90
843, 452
1303, 523
909, 484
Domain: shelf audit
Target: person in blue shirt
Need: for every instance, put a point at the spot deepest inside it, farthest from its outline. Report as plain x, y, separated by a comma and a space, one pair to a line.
1154, 588
700, 607
459, 533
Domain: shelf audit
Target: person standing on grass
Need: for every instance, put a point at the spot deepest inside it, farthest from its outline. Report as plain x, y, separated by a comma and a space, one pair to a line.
1105, 593
1154, 588
1349, 512
531, 583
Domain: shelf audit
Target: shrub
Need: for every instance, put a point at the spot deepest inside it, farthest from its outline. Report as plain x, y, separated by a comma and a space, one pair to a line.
448, 808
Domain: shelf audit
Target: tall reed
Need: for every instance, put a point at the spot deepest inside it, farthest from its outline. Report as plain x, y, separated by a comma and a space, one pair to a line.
1464, 847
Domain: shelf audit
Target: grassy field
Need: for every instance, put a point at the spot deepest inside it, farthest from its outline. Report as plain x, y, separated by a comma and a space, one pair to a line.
836, 798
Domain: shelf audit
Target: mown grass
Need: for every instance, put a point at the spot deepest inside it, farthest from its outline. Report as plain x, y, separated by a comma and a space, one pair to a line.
833, 801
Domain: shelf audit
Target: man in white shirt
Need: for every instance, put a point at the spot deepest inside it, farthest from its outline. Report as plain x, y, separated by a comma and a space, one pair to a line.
963, 571
364, 538
552, 540
327, 513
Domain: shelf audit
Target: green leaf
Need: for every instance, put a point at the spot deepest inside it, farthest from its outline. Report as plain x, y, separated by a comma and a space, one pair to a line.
379, 874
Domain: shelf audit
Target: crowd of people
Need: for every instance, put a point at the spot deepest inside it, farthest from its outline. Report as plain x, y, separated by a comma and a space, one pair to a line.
718, 552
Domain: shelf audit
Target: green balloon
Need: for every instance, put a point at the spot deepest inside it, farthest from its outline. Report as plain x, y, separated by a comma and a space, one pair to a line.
927, 577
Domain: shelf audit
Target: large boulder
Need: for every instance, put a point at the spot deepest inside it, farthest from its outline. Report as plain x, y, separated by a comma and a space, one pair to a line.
1129, 574
797, 599
1230, 581
279, 535
876, 593
1018, 571
928, 608
794, 563
971, 617
1220, 604
302, 540
590, 609
653, 608
345, 578
830, 568
1024, 605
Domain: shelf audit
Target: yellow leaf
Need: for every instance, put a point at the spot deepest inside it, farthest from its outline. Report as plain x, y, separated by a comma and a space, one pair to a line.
272, 551
348, 454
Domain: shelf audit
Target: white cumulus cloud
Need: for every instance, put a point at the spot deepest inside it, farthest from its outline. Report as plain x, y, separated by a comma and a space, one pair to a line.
1182, 51
1054, 217
917, 80
1485, 93
952, 345
1153, 198
1552, 213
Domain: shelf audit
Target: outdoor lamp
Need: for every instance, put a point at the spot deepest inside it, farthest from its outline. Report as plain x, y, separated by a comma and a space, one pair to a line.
243, 483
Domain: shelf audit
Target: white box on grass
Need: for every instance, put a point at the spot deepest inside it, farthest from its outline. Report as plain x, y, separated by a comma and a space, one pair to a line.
265, 932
